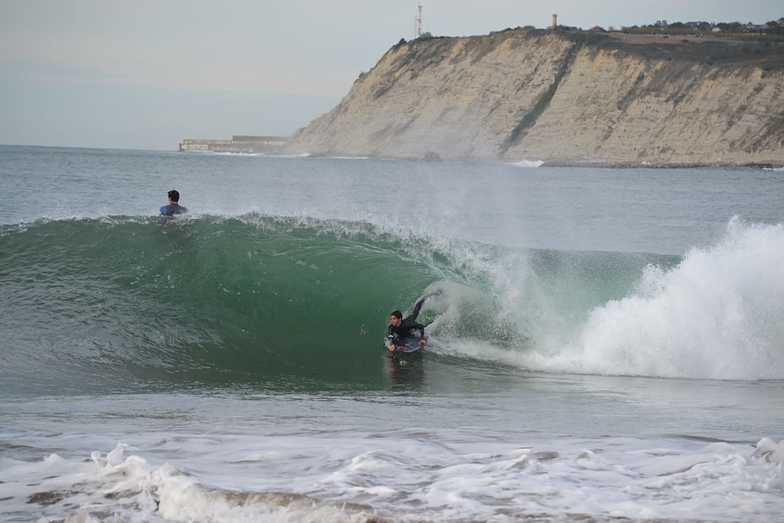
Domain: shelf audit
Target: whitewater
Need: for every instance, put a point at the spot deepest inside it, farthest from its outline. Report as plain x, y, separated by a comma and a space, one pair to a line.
605, 343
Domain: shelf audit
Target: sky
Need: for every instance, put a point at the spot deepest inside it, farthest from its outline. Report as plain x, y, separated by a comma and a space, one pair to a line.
145, 74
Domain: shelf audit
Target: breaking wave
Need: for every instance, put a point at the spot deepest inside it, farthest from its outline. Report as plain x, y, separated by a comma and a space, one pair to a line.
719, 481
716, 313
130, 301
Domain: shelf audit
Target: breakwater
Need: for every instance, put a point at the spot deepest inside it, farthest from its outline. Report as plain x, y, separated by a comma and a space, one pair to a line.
237, 144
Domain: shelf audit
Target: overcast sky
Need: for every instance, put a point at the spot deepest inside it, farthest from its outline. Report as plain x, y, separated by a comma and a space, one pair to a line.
144, 74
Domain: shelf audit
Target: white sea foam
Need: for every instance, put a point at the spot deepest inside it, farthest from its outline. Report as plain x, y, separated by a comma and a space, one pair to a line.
141, 492
236, 154
528, 163
717, 314
291, 156
254, 155
625, 479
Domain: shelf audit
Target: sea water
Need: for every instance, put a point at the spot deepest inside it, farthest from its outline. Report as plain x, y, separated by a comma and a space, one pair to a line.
605, 343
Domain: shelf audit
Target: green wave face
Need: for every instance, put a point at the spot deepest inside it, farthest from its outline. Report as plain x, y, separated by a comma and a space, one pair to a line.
91, 305
199, 300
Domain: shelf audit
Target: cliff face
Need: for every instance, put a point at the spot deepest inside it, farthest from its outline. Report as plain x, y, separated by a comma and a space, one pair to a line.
571, 98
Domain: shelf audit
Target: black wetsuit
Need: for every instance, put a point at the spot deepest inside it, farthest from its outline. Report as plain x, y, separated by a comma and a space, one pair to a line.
409, 325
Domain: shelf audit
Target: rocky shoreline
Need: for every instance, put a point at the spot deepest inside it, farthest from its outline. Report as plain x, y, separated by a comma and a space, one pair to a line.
554, 163
630, 165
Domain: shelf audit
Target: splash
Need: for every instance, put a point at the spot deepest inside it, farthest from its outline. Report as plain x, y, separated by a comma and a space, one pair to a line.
718, 313
719, 481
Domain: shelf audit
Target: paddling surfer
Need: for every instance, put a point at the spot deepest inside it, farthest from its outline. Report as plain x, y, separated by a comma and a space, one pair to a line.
173, 206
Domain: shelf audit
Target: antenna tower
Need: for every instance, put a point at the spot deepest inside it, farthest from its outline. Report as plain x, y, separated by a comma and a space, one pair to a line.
418, 21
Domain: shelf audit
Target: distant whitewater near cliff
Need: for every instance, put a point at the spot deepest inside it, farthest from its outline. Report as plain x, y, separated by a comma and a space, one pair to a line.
574, 98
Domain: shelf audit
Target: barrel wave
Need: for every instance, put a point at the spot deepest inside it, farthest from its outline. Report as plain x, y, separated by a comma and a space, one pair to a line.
126, 302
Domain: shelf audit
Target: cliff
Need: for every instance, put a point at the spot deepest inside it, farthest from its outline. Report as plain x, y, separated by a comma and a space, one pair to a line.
577, 98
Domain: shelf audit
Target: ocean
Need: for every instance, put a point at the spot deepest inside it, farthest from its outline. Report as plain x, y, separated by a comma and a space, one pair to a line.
605, 344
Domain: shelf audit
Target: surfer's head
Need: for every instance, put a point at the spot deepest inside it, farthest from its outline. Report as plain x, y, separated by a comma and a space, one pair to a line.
174, 196
395, 317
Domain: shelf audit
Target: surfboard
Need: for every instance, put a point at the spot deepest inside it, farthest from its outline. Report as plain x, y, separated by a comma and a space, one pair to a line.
403, 346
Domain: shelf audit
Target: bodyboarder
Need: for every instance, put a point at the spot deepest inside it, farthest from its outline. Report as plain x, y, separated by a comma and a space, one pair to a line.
400, 328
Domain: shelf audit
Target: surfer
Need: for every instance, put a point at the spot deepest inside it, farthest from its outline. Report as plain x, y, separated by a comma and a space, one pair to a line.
174, 206
400, 327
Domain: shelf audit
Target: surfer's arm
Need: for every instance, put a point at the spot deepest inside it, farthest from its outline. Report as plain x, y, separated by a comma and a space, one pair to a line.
422, 337
417, 308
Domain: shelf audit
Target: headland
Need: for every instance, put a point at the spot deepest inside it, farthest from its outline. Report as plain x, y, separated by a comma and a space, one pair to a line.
565, 96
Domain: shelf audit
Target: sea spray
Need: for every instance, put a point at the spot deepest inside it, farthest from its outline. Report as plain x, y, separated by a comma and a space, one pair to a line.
714, 313
717, 314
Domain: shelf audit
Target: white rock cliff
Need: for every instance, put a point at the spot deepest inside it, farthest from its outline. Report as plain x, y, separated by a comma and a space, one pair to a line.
572, 98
